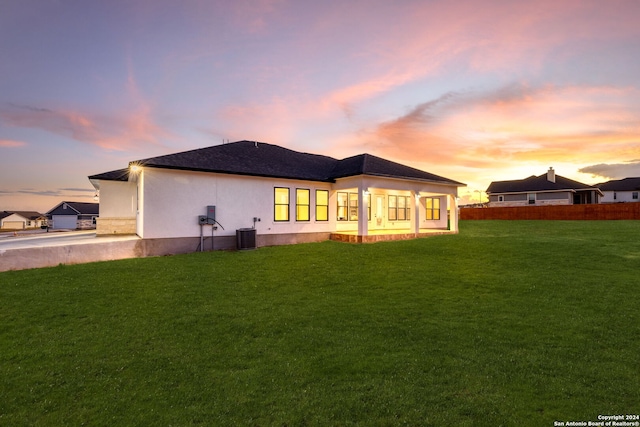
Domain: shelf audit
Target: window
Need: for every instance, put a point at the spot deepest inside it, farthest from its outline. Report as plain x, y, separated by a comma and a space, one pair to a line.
634, 195
343, 206
348, 206
399, 208
369, 207
532, 198
432, 205
403, 208
393, 208
501, 198
302, 204
281, 204
322, 205
353, 206
408, 207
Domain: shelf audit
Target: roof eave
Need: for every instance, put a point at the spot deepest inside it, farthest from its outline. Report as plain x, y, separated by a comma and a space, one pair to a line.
406, 178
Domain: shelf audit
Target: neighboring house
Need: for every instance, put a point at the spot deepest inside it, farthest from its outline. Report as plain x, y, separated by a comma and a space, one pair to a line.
21, 220
74, 215
285, 195
547, 189
620, 190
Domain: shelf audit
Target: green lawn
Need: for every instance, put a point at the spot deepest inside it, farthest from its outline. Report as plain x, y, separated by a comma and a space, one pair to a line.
507, 323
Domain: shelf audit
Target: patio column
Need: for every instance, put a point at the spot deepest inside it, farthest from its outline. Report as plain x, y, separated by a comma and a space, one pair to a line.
416, 215
363, 220
453, 209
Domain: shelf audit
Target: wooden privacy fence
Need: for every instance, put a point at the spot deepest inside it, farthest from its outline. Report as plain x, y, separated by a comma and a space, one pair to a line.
559, 212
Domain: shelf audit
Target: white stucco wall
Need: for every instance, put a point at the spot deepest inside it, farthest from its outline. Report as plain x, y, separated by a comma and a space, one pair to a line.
117, 199
621, 197
171, 201
167, 203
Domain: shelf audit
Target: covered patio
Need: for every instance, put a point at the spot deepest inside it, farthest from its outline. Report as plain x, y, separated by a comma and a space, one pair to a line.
374, 209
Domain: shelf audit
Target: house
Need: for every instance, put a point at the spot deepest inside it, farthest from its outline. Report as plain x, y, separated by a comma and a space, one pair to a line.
546, 189
74, 215
21, 220
620, 190
284, 195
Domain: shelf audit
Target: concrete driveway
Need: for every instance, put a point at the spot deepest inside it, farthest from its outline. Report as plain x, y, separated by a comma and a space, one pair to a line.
28, 239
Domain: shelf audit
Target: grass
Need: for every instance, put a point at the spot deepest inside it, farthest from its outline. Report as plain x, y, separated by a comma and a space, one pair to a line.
507, 323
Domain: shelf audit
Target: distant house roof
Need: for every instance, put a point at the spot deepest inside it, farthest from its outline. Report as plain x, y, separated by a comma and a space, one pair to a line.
77, 208
537, 184
31, 215
626, 184
267, 160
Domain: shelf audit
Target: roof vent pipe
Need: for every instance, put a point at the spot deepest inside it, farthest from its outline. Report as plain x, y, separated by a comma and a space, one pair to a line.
551, 175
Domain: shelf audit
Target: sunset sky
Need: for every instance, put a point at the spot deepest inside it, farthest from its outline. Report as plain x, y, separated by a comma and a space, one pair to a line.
475, 91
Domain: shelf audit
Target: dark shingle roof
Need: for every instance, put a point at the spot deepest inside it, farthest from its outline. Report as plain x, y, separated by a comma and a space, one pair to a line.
536, 183
116, 175
267, 160
366, 164
85, 208
248, 158
626, 184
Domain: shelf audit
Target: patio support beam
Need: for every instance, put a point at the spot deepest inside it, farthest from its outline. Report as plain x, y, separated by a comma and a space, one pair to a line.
416, 213
363, 220
453, 210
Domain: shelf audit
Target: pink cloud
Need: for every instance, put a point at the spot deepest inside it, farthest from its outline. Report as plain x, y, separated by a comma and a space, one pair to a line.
118, 132
9, 143
514, 124
489, 37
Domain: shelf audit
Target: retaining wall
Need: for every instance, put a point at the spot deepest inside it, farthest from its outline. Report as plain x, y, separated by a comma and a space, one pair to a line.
105, 249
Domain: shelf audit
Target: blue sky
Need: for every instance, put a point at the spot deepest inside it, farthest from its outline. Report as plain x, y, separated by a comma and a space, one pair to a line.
472, 90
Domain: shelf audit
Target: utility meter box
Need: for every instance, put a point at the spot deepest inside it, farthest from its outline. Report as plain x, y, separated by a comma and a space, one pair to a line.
211, 214
209, 218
